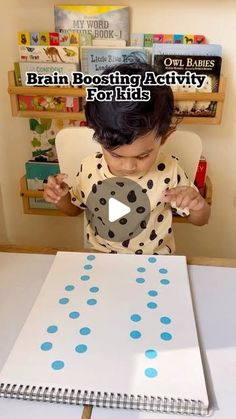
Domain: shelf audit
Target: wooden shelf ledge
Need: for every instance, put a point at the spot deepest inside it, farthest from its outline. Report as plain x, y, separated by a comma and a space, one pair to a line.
14, 91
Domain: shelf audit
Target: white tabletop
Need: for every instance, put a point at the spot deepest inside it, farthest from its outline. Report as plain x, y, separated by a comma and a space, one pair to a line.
214, 291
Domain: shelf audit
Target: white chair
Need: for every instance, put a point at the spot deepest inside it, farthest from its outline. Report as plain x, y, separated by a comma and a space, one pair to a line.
73, 144
187, 146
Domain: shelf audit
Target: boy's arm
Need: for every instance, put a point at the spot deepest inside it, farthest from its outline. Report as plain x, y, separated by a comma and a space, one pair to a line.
65, 205
57, 192
190, 198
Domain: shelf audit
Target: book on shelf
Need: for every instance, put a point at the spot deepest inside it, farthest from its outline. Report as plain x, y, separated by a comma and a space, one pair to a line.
47, 53
103, 21
183, 49
198, 59
43, 133
94, 60
36, 176
111, 331
48, 38
21, 68
48, 103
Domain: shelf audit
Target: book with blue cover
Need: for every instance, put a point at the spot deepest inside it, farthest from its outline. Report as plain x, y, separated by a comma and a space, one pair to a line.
94, 60
187, 49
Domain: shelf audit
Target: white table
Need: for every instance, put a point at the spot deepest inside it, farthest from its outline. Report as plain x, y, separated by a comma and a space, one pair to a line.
214, 292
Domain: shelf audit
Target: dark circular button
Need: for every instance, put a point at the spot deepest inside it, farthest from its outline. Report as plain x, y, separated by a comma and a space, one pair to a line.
117, 209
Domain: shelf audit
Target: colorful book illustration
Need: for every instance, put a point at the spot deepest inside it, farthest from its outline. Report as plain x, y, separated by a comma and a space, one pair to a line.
94, 60
47, 53
111, 331
36, 176
48, 103
205, 64
43, 134
101, 21
45, 68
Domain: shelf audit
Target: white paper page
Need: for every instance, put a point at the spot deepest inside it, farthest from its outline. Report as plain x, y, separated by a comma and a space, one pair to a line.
112, 323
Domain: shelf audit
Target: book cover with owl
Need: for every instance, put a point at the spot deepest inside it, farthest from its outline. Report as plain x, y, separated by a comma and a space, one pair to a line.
103, 21
208, 65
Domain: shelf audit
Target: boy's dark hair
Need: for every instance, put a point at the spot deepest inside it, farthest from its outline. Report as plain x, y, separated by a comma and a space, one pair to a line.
117, 123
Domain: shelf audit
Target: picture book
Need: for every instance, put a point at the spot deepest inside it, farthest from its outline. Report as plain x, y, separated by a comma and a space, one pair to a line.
47, 53
111, 331
46, 68
36, 176
208, 65
103, 21
94, 60
43, 134
187, 49
49, 38
48, 103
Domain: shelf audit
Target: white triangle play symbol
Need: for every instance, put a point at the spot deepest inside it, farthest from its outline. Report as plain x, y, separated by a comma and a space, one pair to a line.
116, 209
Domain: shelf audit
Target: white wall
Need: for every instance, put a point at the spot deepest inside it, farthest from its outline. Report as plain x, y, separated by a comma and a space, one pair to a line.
215, 19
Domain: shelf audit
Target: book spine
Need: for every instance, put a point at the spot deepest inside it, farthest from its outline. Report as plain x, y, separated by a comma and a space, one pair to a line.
99, 399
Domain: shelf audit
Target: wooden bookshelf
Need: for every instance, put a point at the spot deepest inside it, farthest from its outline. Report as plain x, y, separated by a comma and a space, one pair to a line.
14, 91
27, 193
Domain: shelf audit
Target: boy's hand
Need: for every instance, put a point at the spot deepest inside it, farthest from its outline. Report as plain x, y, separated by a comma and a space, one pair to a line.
56, 188
185, 196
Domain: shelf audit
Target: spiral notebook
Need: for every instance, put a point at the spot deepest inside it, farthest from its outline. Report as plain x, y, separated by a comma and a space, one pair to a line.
112, 331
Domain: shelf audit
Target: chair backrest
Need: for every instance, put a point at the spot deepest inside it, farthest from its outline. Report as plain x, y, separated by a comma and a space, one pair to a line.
187, 146
72, 145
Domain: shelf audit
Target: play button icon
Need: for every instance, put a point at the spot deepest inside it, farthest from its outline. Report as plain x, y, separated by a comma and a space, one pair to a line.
116, 209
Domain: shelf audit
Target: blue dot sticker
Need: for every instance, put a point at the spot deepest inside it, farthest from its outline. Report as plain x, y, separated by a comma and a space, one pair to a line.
74, 314
85, 277
152, 305
164, 281
46, 346
166, 336
64, 300
90, 257
58, 365
141, 269
151, 353
91, 301
163, 271
94, 289
150, 372
85, 331
135, 317
52, 329
152, 293
135, 334
81, 348
140, 280
69, 288
152, 259
165, 320
87, 267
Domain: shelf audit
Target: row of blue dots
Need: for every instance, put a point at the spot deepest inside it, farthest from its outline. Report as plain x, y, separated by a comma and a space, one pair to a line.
136, 334
81, 348
141, 280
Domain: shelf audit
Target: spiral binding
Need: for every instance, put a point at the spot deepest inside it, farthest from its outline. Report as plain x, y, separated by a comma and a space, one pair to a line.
124, 401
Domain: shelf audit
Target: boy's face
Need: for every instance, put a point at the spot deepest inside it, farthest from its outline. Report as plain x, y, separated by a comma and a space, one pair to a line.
134, 159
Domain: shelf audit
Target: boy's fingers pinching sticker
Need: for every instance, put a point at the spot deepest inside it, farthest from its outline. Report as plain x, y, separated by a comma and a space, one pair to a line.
118, 209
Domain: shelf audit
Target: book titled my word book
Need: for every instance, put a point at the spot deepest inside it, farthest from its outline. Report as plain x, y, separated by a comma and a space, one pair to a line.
112, 331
